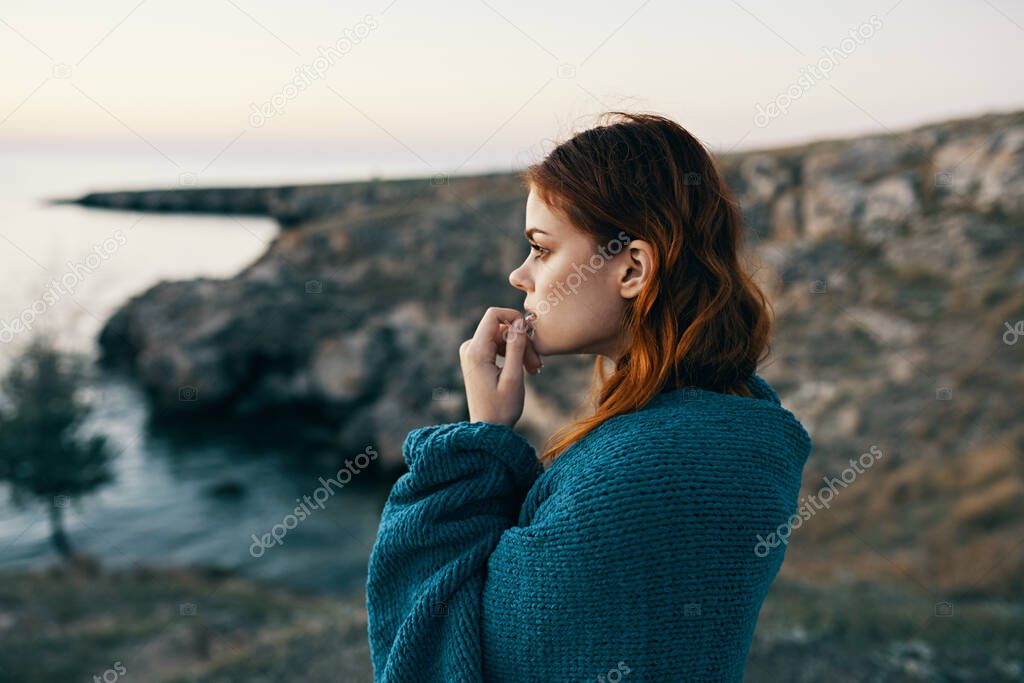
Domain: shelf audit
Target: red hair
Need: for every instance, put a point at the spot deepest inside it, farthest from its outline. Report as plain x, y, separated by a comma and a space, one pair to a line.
700, 321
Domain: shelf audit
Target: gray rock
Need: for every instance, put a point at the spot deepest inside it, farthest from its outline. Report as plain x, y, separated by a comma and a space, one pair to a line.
884, 257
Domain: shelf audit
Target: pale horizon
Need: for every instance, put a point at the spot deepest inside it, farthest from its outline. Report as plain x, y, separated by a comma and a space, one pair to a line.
483, 86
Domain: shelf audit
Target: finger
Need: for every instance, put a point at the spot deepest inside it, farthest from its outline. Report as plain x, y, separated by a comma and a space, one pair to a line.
511, 375
475, 368
531, 359
488, 336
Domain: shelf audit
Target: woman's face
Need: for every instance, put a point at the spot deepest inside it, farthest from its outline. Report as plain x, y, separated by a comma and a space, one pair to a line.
576, 288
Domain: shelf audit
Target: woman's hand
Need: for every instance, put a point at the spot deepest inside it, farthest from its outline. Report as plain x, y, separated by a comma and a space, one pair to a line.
496, 394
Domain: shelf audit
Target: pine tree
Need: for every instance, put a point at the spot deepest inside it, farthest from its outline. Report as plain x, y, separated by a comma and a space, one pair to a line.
41, 455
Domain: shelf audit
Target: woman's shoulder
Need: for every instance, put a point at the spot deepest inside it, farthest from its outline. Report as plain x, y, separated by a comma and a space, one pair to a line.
661, 470
687, 432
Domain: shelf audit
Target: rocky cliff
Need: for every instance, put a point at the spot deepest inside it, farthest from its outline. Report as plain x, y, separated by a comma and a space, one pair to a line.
894, 263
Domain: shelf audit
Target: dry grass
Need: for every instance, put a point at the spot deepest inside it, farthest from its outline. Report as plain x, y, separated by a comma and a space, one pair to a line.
950, 524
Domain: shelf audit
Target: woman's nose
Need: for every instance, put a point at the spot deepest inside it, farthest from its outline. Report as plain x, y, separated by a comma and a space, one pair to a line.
516, 279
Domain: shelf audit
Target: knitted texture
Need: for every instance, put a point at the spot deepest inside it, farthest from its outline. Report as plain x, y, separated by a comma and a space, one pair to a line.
631, 558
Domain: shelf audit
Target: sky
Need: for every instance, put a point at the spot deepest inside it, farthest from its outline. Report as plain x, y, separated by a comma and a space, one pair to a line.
475, 85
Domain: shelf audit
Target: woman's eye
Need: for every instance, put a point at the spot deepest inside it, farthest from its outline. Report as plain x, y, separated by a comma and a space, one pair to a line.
538, 249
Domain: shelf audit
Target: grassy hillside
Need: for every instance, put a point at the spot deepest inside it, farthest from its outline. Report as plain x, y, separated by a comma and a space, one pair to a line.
191, 626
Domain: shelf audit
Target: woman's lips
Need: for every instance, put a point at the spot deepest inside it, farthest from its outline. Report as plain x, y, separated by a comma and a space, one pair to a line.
530, 318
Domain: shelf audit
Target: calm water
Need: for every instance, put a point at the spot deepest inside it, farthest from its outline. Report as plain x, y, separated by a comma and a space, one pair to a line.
161, 509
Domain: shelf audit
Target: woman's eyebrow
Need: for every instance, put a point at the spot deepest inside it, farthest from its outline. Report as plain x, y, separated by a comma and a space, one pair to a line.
529, 232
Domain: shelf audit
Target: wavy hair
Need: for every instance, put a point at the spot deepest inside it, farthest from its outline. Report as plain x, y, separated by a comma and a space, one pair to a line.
700, 320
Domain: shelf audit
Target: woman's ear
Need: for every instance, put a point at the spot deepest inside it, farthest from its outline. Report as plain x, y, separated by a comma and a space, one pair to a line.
635, 268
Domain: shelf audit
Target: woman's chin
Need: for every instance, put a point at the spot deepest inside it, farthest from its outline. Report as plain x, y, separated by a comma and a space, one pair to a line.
546, 346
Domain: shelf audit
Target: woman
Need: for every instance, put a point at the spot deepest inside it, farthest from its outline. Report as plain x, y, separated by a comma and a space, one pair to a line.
638, 552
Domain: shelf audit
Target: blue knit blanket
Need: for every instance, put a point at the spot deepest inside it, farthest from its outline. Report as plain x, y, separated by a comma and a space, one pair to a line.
634, 557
